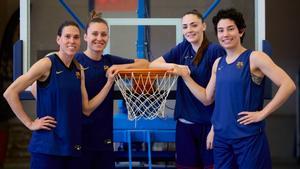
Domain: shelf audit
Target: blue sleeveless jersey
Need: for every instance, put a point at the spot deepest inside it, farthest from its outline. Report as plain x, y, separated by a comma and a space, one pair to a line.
98, 127
236, 92
187, 105
61, 99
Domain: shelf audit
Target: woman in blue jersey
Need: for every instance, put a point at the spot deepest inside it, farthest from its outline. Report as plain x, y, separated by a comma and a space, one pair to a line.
237, 84
61, 98
193, 118
98, 125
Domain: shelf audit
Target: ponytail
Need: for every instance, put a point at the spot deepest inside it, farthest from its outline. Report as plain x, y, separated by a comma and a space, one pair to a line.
95, 18
201, 50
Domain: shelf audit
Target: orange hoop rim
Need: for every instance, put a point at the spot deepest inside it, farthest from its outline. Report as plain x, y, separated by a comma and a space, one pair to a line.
144, 72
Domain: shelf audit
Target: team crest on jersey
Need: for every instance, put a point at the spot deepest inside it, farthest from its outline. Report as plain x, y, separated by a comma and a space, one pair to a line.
105, 67
239, 65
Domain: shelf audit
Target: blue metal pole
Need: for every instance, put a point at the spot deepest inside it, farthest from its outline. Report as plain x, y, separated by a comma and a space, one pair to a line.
129, 149
140, 46
75, 17
149, 148
17, 59
211, 8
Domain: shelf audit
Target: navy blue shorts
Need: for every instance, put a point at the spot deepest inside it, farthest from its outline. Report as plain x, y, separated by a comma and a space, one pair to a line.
191, 152
45, 161
97, 160
247, 153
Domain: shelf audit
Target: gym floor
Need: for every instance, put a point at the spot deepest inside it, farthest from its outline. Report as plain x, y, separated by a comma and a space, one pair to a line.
18, 156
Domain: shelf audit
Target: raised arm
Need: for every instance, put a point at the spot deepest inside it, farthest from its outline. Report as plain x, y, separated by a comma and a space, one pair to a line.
38, 71
205, 95
138, 63
161, 63
261, 65
89, 106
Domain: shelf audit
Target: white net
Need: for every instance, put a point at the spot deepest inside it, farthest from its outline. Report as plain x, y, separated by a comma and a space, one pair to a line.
145, 93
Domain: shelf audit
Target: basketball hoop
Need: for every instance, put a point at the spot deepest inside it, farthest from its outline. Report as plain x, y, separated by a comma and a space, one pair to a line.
145, 91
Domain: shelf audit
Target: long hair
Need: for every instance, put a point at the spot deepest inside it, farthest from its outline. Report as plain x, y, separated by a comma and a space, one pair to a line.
201, 50
205, 41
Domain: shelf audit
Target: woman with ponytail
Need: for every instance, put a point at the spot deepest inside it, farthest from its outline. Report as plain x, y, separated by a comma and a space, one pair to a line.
237, 88
97, 139
197, 54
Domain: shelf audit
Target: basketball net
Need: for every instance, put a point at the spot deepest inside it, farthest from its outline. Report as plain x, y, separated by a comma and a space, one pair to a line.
145, 91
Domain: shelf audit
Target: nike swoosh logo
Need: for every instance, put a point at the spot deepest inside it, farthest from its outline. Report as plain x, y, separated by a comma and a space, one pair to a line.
85, 68
59, 72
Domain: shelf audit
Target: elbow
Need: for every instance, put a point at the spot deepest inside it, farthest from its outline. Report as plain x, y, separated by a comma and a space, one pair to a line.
207, 102
293, 87
10, 96
6, 95
86, 112
290, 85
85, 109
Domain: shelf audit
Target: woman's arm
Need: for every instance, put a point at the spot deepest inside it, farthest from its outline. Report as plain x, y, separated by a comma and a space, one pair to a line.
90, 105
33, 89
138, 63
39, 70
262, 64
161, 63
210, 139
205, 95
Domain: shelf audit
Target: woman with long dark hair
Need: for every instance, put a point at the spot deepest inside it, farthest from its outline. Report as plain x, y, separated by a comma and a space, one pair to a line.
197, 54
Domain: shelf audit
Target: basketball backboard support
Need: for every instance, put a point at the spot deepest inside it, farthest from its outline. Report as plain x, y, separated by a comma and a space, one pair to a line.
25, 26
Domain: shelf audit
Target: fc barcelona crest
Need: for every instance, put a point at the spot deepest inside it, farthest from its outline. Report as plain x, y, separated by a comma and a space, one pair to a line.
239, 65
105, 67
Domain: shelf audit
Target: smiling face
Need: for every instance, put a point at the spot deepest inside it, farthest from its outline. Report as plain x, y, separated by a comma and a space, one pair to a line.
97, 36
228, 34
193, 27
69, 40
